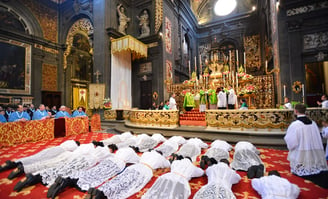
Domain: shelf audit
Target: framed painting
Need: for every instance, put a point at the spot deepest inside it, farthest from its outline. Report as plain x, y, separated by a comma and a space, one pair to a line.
15, 67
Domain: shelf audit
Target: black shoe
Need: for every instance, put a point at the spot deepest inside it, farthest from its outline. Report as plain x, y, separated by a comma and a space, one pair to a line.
203, 162
58, 186
94, 193
251, 171
17, 172
260, 171
8, 165
28, 181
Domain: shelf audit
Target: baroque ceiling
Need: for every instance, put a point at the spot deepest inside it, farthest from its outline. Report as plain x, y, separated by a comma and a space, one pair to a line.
204, 10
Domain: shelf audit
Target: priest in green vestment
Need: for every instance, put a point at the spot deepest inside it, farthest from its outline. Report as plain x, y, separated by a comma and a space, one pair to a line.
188, 102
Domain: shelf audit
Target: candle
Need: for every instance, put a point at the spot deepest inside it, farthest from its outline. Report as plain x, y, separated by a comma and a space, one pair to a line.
189, 67
237, 56
284, 90
195, 65
236, 83
303, 90
266, 65
245, 59
200, 64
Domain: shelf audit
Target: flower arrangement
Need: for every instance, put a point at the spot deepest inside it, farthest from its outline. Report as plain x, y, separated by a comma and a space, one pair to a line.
248, 89
245, 76
107, 103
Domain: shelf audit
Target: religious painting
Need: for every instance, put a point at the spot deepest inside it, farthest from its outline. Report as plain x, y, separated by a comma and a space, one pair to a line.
49, 77
80, 97
15, 67
96, 95
168, 35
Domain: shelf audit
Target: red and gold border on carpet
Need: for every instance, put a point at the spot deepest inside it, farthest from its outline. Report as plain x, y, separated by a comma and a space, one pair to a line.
272, 158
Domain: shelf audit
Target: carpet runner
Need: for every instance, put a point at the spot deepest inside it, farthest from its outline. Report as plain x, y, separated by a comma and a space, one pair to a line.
273, 160
192, 118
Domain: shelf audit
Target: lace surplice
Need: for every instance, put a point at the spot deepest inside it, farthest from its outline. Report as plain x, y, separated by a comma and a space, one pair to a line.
245, 158
189, 150
174, 184
217, 153
98, 174
220, 180
168, 147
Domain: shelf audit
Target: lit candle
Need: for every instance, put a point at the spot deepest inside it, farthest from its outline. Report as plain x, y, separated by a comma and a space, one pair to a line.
284, 90
303, 90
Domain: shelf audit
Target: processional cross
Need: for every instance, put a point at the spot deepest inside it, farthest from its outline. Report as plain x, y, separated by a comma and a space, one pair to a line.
97, 74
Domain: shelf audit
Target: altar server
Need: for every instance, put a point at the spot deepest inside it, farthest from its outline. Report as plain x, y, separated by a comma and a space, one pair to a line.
222, 99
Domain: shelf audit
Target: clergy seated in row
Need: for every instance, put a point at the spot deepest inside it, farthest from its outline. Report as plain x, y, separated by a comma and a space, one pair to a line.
19, 115
41, 113
306, 154
79, 112
2, 116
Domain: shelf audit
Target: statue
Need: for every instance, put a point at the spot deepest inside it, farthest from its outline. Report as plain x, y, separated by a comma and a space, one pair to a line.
144, 24
123, 19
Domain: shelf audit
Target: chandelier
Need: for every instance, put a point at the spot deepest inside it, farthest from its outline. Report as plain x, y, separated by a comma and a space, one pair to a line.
224, 7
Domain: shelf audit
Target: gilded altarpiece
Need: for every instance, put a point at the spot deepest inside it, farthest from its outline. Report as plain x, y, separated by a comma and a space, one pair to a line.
49, 77
253, 53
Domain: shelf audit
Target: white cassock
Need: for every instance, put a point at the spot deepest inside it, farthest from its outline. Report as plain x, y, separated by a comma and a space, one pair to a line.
288, 105
115, 139
245, 156
324, 104
174, 184
47, 154
232, 98
134, 177
325, 135
219, 150
71, 168
38, 166
306, 154
178, 139
220, 180
145, 142
172, 104
192, 148
107, 168
168, 147
272, 186
222, 99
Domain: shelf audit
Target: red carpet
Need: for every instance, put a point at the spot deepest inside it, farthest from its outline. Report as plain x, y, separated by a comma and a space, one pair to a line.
273, 159
192, 118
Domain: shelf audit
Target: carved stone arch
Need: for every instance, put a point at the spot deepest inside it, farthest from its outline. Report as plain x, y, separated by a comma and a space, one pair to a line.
26, 17
82, 26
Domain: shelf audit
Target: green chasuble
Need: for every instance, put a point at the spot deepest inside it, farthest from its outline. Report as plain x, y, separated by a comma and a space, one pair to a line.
212, 96
188, 100
202, 97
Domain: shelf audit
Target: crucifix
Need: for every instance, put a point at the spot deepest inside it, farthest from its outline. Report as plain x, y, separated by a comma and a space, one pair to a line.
97, 74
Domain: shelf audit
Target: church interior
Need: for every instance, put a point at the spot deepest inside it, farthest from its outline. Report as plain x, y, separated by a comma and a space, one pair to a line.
229, 70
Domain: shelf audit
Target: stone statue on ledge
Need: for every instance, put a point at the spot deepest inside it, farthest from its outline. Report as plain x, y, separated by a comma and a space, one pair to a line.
144, 24
123, 19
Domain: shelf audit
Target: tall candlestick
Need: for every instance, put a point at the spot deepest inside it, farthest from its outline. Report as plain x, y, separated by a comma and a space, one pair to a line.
189, 68
236, 83
303, 90
284, 90
200, 65
237, 56
245, 59
195, 65
266, 65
